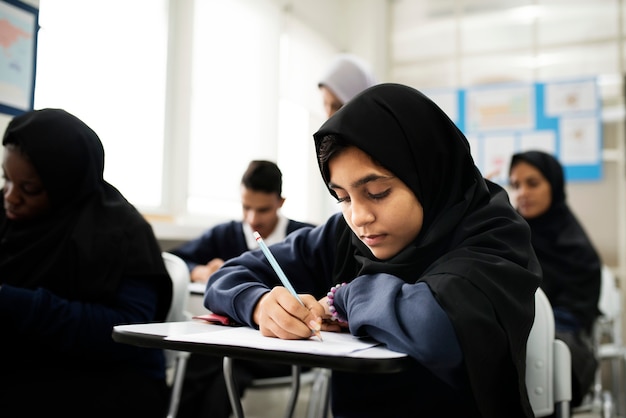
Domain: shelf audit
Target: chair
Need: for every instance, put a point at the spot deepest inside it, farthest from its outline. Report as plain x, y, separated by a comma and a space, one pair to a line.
548, 364
609, 347
176, 361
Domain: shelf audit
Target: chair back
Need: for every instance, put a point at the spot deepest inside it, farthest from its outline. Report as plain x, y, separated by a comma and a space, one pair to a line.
548, 364
176, 361
539, 355
609, 323
179, 273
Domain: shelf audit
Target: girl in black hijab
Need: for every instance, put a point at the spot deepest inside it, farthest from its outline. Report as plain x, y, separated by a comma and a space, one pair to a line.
572, 269
75, 259
426, 257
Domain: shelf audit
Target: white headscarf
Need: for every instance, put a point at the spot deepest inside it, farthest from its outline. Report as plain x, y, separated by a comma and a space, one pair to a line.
347, 76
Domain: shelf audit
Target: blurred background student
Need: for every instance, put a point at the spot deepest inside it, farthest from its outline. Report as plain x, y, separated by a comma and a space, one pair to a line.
346, 76
204, 391
76, 259
570, 263
261, 200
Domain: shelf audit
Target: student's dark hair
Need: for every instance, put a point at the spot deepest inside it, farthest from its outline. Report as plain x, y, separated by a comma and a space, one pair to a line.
263, 176
329, 146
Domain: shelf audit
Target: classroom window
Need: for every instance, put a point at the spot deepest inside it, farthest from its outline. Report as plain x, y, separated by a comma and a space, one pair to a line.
105, 62
183, 94
233, 101
254, 96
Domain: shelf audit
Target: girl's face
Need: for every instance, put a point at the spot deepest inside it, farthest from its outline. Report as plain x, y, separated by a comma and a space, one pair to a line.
532, 193
379, 208
331, 103
25, 197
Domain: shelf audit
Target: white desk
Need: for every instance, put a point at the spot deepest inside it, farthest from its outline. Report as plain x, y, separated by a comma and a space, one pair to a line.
195, 303
196, 288
203, 338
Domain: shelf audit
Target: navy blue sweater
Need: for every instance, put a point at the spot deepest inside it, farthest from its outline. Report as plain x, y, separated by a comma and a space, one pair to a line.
405, 317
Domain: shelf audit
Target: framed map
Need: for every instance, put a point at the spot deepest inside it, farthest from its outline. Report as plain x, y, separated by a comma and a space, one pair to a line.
19, 24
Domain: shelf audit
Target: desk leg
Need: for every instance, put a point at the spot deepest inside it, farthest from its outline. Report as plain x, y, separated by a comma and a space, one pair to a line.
295, 390
231, 386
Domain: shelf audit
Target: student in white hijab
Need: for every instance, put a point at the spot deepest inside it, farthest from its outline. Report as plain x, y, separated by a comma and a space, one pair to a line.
346, 76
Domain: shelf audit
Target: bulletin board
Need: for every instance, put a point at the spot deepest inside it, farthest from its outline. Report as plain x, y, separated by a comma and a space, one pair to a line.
563, 118
19, 23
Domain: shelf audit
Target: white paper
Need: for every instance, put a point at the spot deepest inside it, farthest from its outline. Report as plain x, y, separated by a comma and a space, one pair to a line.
333, 343
579, 140
500, 108
567, 98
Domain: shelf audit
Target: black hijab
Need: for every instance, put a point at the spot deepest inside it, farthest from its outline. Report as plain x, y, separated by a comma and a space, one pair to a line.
473, 251
92, 238
572, 269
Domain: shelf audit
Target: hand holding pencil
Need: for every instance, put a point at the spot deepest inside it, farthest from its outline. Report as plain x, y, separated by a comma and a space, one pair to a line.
312, 320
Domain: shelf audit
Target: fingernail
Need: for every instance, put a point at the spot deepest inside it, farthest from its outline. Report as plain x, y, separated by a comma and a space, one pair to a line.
315, 325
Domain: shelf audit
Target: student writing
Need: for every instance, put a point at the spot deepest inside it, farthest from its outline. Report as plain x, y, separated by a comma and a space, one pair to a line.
426, 257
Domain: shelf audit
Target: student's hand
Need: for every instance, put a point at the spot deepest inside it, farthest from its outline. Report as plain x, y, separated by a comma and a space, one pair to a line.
214, 265
202, 273
280, 315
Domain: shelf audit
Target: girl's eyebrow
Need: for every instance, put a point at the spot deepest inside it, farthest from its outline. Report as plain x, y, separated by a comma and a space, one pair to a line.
360, 182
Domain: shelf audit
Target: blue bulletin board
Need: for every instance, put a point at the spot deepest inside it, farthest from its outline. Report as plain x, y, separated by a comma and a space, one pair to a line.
563, 118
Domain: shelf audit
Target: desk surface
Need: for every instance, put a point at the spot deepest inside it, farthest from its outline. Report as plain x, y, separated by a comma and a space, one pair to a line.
196, 288
163, 335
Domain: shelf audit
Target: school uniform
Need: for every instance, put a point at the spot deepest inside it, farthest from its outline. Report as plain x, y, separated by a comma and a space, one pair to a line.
228, 240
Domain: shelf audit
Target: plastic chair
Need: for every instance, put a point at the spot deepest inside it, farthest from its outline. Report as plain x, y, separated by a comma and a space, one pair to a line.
609, 347
176, 361
548, 364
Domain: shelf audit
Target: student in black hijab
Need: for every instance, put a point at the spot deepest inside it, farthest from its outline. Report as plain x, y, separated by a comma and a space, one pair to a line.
572, 269
75, 259
426, 257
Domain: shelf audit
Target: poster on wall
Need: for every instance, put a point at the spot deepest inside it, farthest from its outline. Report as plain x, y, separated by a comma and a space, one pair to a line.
19, 23
562, 118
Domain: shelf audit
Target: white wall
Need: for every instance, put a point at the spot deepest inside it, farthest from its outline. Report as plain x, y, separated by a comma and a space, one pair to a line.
363, 27
356, 26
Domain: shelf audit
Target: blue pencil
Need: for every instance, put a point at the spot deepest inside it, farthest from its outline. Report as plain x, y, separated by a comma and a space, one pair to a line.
280, 273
